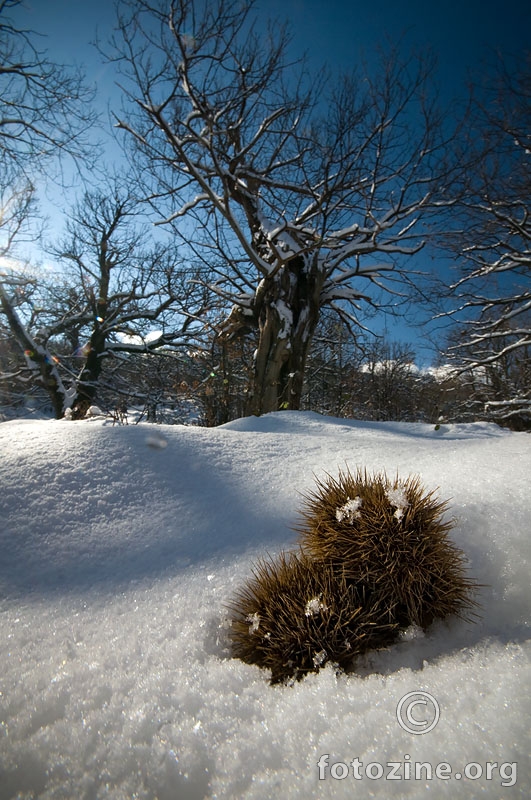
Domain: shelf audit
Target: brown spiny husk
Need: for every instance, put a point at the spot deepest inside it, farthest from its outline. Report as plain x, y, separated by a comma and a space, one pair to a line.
297, 614
399, 551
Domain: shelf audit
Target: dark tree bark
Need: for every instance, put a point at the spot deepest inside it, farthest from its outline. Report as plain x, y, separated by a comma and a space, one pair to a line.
287, 312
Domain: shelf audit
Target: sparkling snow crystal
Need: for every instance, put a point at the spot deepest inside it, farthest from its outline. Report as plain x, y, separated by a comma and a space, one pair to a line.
254, 619
413, 632
319, 658
398, 498
350, 511
314, 606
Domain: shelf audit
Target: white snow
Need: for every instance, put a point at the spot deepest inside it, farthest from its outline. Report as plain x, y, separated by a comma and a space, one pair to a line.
397, 498
141, 341
254, 619
286, 318
117, 560
314, 607
350, 510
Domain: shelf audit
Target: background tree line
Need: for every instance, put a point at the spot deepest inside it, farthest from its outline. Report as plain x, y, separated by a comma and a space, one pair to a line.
289, 209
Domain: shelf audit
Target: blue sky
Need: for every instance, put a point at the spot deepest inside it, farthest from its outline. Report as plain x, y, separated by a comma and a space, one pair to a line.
462, 33
457, 30
335, 31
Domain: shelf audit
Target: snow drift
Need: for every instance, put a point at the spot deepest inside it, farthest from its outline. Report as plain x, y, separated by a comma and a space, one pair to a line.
119, 548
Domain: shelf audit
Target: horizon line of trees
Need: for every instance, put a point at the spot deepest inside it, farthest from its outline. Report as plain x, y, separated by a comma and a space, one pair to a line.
377, 381
289, 208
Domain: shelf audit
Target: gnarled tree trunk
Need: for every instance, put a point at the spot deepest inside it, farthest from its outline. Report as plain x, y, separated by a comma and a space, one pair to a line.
287, 311
87, 385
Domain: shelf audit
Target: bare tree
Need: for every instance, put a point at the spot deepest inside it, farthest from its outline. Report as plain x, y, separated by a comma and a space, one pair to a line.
16, 290
334, 361
45, 108
45, 112
117, 294
38, 359
492, 298
120, 294
310, 190
496, 388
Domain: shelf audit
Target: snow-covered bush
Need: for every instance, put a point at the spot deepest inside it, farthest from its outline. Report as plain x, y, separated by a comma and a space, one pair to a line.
375, 560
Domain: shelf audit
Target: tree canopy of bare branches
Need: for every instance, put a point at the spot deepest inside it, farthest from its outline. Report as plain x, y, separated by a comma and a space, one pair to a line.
493, 293
45, 108
45, 112
300, 192
120, 295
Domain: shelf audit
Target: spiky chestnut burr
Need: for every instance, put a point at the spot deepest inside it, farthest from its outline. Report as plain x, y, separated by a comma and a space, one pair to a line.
390, 536
297, 614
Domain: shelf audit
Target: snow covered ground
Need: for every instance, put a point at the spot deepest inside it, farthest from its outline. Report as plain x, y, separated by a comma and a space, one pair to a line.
119, 548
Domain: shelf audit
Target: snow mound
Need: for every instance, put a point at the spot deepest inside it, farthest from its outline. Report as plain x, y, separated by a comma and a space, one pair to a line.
118, 558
